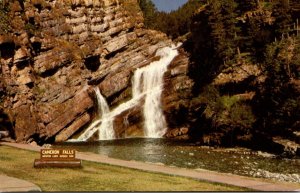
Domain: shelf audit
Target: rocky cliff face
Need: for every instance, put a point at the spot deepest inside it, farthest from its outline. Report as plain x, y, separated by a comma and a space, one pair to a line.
56, 51
233, 106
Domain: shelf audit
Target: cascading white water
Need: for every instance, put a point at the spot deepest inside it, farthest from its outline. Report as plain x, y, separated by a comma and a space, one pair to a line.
105, 129
147, 82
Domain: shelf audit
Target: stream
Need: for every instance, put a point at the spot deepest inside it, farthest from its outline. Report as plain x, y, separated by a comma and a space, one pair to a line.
240, 161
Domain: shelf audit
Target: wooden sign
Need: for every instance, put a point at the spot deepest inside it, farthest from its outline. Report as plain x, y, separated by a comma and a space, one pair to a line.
57, 158
61, 154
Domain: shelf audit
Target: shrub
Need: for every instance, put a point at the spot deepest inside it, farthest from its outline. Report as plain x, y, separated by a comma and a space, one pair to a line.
5, 26
225, 111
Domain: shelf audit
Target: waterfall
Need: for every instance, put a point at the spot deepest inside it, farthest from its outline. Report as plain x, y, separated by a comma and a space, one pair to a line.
147, 82
104, 126
106, 130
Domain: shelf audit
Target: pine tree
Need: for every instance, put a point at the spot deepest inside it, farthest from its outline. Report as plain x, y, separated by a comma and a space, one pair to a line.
232, 31
247, 5
278, 103
222, 20
175, 23
283, 15
150, 12
215, 20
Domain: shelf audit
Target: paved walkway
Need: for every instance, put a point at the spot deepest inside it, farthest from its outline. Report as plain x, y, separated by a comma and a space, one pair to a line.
204, 175
10, 184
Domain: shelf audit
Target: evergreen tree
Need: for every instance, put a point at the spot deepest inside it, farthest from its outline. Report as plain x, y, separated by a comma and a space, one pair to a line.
283, 15
215, 20
278, 103
175, 23
150, 12
247, 5
232, 30
222, 21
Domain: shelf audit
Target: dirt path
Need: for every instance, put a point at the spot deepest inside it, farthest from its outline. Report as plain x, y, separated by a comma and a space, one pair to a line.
204, 175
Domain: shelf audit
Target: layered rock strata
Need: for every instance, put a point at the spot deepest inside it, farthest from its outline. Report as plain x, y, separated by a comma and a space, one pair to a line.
58, 50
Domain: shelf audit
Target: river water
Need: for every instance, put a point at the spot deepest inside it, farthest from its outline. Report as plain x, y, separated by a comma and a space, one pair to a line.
239, 161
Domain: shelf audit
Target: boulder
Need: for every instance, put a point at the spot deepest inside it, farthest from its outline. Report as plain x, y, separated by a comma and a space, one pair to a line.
25, 122
73, 128
21, 55
116, 44
290, 148
4, 134
178, 133
67, 114
129, 123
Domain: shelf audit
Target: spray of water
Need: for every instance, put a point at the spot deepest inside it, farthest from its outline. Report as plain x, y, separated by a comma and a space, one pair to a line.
147, 83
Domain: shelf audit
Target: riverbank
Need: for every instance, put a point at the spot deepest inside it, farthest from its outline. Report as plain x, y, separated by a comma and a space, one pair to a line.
238, 161
96, 176
208, 176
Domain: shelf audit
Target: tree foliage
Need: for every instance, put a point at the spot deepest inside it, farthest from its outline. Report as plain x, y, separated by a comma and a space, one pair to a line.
226, 33
279, 100
283, 17
174, 24
149, 11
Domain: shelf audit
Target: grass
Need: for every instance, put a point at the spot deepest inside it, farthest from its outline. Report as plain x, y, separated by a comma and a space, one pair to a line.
95, 176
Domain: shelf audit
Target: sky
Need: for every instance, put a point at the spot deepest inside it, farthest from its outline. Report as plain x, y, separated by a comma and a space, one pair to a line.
168, 5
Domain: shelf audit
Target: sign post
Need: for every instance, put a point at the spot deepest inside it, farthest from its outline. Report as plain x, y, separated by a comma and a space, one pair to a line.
57, 158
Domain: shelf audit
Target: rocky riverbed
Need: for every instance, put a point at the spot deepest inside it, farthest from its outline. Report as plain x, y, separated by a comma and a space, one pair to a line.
239, 161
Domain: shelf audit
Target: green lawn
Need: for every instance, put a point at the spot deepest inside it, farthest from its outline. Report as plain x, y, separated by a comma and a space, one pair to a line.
95, 176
